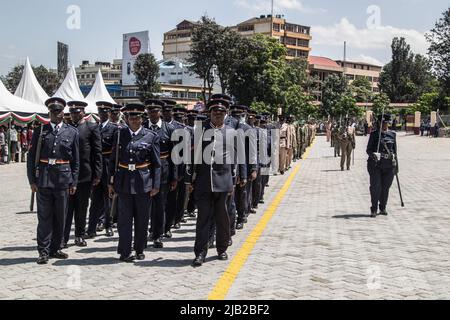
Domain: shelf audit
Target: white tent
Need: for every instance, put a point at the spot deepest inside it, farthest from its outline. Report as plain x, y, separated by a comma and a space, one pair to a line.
98, 93
69, 89
29, 87
11, 103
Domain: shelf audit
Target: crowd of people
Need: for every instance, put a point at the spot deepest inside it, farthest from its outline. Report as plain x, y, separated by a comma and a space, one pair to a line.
127, 172
19, 139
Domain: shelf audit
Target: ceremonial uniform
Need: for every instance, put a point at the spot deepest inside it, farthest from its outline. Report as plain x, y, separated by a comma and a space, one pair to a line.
382, 167
56, 173
100, 201
91, 164
169, 174
138, 172
213, 182
347, 143
284, 137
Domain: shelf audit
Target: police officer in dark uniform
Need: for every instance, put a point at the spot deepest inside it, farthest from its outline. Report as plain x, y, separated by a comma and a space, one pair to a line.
264, 160
135, 177
55, 147
91, 163
115, 113
100, 201
168, 170
382, 164
212, 182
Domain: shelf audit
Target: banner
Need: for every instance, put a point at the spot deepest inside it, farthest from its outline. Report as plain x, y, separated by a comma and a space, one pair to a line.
134, 44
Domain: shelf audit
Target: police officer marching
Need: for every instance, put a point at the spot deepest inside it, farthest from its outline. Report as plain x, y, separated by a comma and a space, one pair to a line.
382, 164
52, 170
212, 182
100, 202
169, 175
135, 174
91, 163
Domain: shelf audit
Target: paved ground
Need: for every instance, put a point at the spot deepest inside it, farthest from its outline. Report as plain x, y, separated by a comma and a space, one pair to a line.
319, 244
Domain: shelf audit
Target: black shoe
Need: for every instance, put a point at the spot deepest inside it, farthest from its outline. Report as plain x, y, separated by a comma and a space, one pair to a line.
373, 214
184, 220
129, 259
211, 245
348, 169
192, 215
158, 244
223, 256
140, 256
253, 211
91, 235
79, 242
342, 169
383, 212
240, 226
114, 225
65, 246
198, 261
245, 220
168, 235
59, 255
230, 243
100, 227
177, 226
43, 259
109, 232
261, 201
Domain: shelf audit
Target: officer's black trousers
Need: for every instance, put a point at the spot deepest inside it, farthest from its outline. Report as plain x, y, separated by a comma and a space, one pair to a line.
212, 207
264, 182
256, 190
51, 212
180, 202
158, 212
100, 206
174, 208
137, 208
231, 208
78, 205
380, 182
241, 202
249, 196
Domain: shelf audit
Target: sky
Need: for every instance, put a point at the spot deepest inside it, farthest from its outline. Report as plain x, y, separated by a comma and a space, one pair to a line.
32, 28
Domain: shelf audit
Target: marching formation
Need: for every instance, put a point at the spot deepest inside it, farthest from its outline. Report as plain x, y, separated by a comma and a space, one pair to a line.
144, 168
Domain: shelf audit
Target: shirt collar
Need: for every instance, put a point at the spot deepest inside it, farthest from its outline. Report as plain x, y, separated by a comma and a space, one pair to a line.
159, 124
135, 133
104, 124
54, 125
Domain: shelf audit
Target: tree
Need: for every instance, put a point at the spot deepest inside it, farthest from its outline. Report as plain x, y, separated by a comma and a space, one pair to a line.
259, 72
362, 89
407, 76
346, 106
299, 103
228, 52
439, 51
381, 102
333, 88
206, 42
47, 79
427, 102
146, 71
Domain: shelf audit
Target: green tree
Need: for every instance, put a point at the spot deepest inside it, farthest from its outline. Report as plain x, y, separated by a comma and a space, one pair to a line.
439, 51
228, 52
381, 102
346, 106
407, 76
47, 79
299, 103
206, 41
146, 71
333, 88
362, 89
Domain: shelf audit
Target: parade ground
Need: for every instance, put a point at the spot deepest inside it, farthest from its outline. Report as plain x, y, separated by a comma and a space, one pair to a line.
312, 239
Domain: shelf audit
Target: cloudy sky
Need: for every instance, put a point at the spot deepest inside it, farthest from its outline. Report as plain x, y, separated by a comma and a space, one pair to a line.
32, 28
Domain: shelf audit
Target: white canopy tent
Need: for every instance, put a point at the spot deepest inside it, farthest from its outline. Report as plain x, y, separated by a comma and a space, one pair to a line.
98, 93
11, 103
69, 89
29, 88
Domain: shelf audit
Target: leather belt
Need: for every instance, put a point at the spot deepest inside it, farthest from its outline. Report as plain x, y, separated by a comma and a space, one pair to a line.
53, 162
107, 153
133, 167
164, 155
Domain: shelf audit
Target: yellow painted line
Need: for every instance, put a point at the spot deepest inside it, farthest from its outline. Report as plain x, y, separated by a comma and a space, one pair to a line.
224, 284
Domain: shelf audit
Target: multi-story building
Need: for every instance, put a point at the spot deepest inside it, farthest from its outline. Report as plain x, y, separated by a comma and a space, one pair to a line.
296, 38
111, 72
355, 70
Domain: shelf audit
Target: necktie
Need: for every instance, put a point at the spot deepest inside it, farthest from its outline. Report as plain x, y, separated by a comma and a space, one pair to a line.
56, 130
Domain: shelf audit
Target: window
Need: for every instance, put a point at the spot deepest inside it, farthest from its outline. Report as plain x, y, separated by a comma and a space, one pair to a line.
375, 79
276, 27
245, 28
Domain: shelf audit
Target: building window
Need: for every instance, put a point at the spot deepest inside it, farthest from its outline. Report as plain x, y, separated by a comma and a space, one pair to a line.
245, 28
375, 79
276, 27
